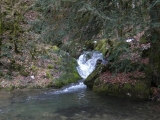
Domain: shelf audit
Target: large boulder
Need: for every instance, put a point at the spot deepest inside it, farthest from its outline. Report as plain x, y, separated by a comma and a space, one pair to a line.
89, 81
103, 45
137, 90
133, 87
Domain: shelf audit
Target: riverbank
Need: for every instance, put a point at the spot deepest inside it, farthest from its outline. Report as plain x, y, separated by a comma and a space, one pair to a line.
26, 61
132, 85
37, 73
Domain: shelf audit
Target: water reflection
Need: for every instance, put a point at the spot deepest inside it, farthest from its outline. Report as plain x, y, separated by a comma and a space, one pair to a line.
77, 105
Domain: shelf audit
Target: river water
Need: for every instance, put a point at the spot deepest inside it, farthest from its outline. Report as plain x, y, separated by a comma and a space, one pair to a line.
74, 102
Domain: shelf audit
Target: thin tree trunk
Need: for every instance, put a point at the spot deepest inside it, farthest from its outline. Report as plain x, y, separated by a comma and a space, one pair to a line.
15, 30
155, 44
1, 32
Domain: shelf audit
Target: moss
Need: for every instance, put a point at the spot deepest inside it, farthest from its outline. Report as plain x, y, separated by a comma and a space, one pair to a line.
139, 86
50, 84
34, 87
48, 75
50, 66
107, 88
34, 68
10, 88
66, 79
58, 84
24, 72
89, 81
139, 90
76, 75
116, 87
55, 48
101, 46
69, 75
57, 61
127, 86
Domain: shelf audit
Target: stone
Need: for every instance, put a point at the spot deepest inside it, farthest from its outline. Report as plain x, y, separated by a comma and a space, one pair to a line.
89, 81
139, 90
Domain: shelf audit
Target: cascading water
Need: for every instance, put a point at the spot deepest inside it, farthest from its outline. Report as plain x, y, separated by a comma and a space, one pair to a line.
72, 88
87, 63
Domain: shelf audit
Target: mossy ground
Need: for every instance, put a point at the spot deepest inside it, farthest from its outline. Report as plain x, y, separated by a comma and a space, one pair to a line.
131, 84
37, 65
101, 46
135, 91
68, 76
43, 72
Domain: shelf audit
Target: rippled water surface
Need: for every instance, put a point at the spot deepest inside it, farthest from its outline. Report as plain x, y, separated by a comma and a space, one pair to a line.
73, 104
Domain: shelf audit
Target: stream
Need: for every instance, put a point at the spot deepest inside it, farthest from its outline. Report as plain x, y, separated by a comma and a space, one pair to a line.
73, 102
81, 104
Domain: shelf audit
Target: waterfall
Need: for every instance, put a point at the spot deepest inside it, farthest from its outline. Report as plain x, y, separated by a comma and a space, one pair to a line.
87, 63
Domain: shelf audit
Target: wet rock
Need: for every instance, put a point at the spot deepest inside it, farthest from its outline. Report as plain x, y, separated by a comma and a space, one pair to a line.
137, 90
89, 81
102, 46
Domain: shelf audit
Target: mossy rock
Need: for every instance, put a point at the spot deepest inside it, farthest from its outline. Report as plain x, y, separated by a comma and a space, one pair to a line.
69, 76
139, 90
89, 81
66, 79
101, 46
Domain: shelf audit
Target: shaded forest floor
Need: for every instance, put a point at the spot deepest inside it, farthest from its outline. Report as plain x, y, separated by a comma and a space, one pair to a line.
33, 73
35, 65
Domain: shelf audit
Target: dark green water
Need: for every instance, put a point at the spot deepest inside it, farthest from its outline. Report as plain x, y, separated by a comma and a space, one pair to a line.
80, 104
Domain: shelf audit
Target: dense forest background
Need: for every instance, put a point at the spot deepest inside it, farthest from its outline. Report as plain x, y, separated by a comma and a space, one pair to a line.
32, 31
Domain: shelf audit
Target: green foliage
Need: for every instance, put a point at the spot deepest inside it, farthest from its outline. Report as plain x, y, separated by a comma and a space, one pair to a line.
71, 24
13, 36
67, 78
34, 68
50, 66
24, 72
48, 75
12, 16
69, 72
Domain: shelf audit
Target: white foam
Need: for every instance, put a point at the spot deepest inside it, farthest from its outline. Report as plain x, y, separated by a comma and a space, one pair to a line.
87, 65
72, 88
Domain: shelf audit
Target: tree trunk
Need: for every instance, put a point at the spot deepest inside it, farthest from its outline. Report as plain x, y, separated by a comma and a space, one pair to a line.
1, 32
154, 59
